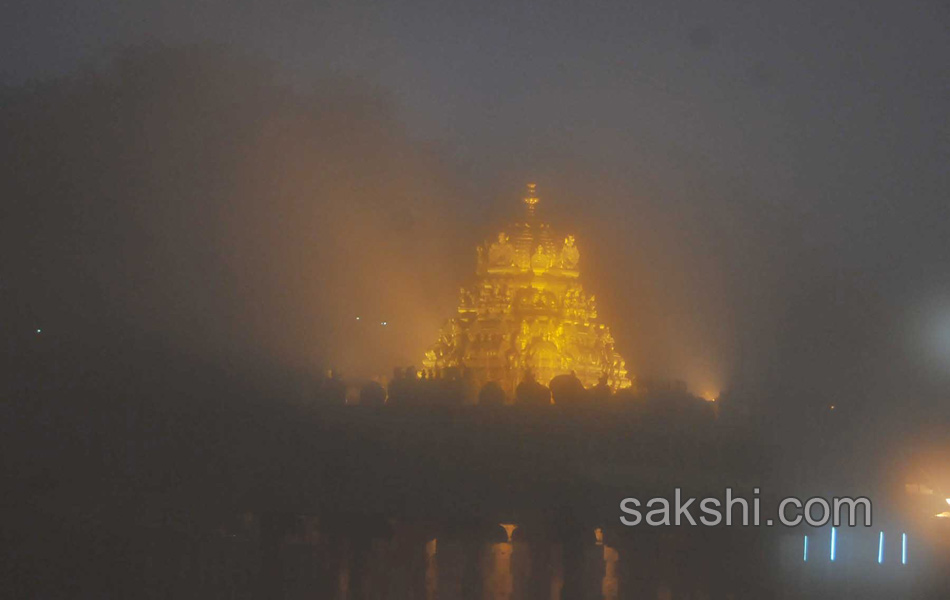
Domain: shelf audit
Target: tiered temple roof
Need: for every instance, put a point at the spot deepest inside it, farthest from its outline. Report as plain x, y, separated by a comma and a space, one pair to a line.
528, 312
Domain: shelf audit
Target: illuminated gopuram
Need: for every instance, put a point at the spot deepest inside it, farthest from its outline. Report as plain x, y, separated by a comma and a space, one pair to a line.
528, 311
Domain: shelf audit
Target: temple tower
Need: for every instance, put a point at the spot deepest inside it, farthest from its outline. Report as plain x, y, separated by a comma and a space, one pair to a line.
528, 310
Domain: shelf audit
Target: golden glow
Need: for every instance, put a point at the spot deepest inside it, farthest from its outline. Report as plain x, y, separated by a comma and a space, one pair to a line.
528, 311
532, 198
917, 488
945, 514
509, 529
497, 579
709, 396
610, 584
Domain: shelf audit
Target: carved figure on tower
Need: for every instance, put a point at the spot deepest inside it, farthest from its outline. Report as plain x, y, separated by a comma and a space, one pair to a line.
570, 255
541, 261
501, 253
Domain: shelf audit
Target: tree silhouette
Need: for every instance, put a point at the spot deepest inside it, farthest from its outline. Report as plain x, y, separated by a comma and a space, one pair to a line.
492, 395
531, 393
372, 394
567, 390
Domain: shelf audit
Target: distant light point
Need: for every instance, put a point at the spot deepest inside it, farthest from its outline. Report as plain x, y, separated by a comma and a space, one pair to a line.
384, 323
39, 331
357, 318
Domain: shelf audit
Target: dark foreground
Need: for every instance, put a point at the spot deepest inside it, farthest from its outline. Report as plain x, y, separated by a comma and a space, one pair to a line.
126, 500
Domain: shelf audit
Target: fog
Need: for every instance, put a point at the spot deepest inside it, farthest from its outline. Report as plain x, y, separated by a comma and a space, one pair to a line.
760, 200
204, 207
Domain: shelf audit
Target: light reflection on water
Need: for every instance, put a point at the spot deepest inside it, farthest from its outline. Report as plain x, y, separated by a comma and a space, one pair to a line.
432, 570
610, 585
355, 560
498, 583
504, 571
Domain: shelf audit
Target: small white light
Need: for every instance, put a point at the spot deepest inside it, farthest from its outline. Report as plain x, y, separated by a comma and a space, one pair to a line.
39, 331
357, 318
833, 544
384, 323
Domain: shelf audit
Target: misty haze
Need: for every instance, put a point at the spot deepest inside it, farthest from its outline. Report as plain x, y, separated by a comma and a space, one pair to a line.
397, 300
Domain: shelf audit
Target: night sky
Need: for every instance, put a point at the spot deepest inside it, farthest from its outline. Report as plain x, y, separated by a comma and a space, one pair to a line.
759, 192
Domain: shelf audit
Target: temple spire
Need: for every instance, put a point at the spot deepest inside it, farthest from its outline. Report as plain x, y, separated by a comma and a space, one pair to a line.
531, 200
527, 310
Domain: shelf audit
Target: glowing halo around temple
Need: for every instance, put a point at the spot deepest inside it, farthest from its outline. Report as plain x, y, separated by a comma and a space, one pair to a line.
528, 311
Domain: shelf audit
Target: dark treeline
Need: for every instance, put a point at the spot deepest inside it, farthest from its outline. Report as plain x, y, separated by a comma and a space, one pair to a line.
149, 456
134, 472
454, 387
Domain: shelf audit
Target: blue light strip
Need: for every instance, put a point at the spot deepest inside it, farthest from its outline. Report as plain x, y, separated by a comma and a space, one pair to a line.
834, 535
805, 554
903, 548
880, 548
